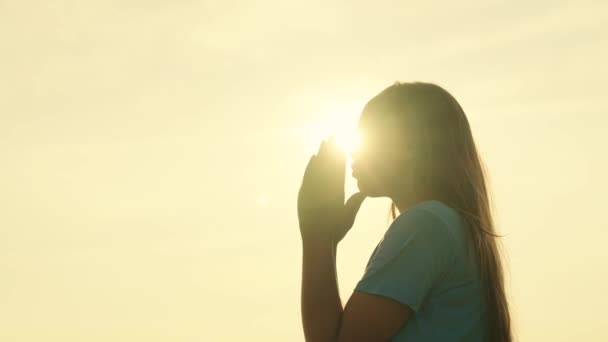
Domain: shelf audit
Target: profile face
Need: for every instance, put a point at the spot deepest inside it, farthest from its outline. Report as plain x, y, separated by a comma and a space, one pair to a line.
374, 162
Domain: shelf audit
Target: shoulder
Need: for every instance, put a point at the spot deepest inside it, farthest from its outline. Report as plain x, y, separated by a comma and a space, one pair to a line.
427, 227
434, 216
417, 248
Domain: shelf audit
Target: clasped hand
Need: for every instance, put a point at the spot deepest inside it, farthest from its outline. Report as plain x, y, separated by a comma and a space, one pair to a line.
322, 213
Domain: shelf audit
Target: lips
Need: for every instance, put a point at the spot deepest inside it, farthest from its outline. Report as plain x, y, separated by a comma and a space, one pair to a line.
355, 172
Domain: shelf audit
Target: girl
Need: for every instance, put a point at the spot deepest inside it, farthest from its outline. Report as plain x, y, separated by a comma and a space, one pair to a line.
437, 273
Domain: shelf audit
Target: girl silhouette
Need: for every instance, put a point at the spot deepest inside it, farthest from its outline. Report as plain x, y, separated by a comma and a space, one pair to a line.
437, 273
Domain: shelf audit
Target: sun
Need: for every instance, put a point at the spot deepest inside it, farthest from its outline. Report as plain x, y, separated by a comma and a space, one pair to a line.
339, 121
347, 140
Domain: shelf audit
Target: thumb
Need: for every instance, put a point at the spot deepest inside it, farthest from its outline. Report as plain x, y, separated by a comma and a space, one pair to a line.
351, 208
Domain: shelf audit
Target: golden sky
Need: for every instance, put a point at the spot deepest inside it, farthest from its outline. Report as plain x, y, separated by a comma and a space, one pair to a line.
152, 152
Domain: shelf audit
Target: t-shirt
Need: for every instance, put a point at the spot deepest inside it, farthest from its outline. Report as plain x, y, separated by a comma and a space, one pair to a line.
421, 262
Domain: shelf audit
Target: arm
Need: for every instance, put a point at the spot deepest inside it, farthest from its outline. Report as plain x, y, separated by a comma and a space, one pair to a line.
324, 220
366, 317
321, 305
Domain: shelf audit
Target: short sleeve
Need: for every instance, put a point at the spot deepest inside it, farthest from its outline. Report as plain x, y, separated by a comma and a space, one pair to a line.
414, 253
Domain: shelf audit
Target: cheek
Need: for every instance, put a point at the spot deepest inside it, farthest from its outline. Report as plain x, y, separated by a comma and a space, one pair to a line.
378, 167
372, 185
375, 173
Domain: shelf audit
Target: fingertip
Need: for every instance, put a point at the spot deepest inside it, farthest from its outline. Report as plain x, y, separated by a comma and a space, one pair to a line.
322, 146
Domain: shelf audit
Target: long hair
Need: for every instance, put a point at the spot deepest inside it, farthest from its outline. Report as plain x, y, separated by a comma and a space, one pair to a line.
447, 163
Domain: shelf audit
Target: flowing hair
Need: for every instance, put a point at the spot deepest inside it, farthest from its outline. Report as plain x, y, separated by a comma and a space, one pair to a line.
447, 163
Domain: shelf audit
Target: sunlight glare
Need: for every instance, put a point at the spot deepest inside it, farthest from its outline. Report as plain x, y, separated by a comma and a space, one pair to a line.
262, 200
339, 120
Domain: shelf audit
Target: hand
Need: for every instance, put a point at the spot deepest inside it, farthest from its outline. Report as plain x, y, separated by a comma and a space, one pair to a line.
322, 213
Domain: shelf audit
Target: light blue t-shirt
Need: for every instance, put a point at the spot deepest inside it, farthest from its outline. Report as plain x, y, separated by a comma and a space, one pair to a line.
421, 262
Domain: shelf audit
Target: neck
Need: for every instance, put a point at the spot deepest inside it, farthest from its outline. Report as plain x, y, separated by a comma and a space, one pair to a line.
407, 200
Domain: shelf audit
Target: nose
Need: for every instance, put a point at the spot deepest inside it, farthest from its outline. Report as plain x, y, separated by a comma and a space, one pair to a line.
353, 162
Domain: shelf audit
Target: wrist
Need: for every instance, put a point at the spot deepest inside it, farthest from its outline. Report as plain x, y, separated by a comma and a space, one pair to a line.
323, 234
318, 243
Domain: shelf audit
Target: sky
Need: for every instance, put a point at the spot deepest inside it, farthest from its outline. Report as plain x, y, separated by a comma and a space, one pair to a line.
151, 153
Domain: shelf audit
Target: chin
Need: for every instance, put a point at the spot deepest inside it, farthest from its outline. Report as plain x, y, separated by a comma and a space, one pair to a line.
369, 190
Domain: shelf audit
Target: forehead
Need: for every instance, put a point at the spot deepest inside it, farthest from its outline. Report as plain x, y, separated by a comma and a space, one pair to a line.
376, 124
374, 134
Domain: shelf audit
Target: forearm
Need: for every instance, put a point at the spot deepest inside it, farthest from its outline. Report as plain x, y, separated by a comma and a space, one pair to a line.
321, 304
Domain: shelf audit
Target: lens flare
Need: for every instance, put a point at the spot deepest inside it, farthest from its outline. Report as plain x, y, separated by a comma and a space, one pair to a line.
339, 121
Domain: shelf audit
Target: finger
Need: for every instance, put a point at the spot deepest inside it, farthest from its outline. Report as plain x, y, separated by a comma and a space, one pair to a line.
323, 160
326, 150
309, 168
351, 208
333, 146
337, 160
322, 149
340, 160
308, 187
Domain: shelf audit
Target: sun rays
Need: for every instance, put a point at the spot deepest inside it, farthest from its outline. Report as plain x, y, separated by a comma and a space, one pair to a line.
338, 119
